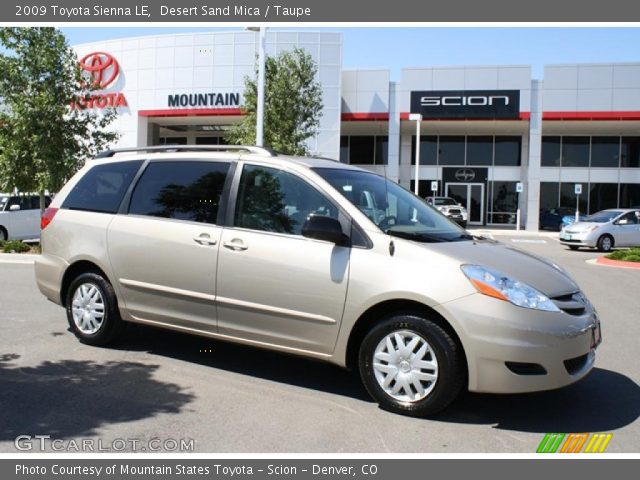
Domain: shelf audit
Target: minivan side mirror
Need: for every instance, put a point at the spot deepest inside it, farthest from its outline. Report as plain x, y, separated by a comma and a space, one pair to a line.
324, 228
622, 221
14, 208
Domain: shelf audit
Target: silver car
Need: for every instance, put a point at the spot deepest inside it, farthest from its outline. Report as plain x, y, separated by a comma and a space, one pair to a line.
243, 245
604, 230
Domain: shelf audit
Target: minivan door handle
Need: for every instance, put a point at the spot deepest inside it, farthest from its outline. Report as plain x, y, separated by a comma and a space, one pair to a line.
235, 244
204, 239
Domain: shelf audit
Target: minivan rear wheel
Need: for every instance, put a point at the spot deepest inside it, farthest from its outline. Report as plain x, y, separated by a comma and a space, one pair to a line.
410, 365
92, 310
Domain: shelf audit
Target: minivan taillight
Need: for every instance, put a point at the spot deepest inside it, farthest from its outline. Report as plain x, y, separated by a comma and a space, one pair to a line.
47, 217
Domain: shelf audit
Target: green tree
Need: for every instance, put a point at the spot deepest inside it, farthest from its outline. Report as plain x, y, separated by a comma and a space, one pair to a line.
293, 104
43, 141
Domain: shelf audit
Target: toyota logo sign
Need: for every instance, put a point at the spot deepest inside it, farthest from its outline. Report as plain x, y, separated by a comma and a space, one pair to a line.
465, 175
102, 68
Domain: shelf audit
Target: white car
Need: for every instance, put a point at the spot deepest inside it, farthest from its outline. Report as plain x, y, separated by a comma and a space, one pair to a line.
604, 230
20, 216
450, 208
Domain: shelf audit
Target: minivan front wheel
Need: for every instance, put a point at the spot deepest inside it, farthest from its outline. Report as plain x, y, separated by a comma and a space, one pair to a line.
92, 310
411, 365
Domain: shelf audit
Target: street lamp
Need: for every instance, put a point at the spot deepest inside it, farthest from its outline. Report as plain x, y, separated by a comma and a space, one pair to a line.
261, 67
417, 117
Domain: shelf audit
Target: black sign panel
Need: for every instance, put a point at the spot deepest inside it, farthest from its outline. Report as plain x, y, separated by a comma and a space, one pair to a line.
464, 175
463, 104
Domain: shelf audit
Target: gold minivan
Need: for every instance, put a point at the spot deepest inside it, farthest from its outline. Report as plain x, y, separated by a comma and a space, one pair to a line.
311, 257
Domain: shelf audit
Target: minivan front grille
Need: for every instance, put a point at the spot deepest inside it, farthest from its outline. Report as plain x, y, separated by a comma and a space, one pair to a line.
573, 303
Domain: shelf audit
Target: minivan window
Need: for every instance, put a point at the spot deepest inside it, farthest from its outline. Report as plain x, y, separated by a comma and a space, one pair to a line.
102, 188
3, 202
395, 210
182, 190
276, 201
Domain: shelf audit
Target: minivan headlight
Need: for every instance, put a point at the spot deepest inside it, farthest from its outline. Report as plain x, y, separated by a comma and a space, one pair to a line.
499, 285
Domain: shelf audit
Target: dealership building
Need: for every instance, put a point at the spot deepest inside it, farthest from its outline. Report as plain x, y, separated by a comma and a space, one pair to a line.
492, 137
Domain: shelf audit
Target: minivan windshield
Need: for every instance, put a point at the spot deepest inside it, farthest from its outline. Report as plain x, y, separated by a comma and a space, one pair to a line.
604, 216
3, 202
393, 209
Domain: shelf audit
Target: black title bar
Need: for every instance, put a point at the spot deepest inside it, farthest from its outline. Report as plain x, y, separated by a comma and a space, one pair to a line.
313, 11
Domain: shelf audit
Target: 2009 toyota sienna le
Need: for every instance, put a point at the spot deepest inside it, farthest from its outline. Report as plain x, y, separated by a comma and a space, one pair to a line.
286, 253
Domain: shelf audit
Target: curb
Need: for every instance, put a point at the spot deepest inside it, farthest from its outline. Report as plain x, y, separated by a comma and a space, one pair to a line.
18, 258
616, 263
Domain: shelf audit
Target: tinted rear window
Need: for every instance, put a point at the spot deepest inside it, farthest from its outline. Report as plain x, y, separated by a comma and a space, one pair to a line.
183, 190
102, 187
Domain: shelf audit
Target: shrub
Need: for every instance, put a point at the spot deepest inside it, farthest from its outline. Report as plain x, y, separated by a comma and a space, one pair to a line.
15, 246
631, 255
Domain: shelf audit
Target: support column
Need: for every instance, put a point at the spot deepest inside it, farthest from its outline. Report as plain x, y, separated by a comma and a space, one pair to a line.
532, 186
393, 167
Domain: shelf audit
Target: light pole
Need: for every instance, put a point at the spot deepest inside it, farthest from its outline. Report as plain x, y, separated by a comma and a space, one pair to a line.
417, 117
262, 55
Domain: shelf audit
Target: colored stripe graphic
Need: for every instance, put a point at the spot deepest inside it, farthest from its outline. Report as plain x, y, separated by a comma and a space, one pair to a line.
574, 442
598, 443
550, 443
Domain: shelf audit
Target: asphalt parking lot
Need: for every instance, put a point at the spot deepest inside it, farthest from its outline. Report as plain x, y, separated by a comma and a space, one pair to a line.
229, 398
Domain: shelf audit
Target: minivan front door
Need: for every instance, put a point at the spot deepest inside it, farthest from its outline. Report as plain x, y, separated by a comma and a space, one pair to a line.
471, 197
274, 285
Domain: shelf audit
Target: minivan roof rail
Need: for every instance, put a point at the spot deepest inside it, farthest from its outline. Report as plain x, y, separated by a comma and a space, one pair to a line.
190, 148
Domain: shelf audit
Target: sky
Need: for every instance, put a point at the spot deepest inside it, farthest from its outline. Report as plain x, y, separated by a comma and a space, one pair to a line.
395, 48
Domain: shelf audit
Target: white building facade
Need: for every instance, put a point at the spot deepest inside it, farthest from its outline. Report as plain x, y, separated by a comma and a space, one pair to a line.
492, 137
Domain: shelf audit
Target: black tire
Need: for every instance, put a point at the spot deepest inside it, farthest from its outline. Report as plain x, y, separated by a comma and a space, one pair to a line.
451, 367
605, 243
573, 247
4, 236
111, 325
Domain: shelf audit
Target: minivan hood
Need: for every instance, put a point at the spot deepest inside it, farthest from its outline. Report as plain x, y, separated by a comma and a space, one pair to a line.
537, 272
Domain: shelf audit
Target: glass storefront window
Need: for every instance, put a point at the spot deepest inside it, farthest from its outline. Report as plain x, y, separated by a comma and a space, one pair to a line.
451, 150
382, 150
630, 152
575, 151
549, 193
550, 151
361, 150
479, 150
605, 152
568, 196
428, 150
503, 203
629, 195
344, 149
602, 196
507, 151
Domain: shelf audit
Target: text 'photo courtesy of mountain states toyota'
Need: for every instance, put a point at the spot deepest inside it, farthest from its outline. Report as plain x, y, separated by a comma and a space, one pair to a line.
242, 244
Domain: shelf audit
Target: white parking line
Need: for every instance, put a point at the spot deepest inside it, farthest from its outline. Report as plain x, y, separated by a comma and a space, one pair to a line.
527, 240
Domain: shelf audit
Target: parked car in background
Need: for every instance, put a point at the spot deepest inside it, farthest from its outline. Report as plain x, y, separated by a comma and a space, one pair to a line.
604, 230
450, 208
20, 216
554, 218
571, 218
290, 254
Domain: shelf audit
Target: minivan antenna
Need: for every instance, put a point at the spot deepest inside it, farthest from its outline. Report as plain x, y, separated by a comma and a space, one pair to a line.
392, 246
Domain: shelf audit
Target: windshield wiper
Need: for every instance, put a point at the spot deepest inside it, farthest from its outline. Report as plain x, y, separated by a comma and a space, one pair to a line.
417, 236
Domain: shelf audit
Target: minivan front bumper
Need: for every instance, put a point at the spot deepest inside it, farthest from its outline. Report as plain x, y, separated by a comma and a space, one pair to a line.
511, 349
